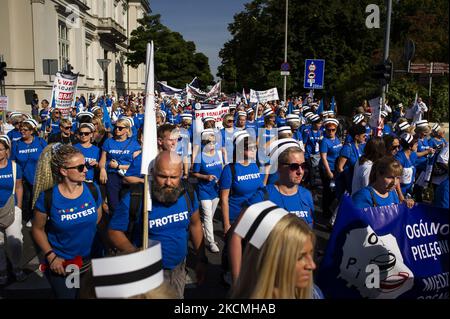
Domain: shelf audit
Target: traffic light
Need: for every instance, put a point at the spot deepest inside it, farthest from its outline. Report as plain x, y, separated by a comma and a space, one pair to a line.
384, 72
3, 72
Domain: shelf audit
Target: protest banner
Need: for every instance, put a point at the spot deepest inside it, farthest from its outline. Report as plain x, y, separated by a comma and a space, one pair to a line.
263, 96
387, 252
64, 90
217, 111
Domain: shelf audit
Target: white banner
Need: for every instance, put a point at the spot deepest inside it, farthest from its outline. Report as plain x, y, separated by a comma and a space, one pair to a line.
64, 90
263, 96
215, 111
215, 90
3, 103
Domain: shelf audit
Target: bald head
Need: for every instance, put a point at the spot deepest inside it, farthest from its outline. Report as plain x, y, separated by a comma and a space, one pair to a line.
167, 177
168, 159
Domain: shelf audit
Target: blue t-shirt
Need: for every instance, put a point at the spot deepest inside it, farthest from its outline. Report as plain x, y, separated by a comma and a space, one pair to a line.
121, 151
208, 165
387, 130
421, 162
53, 124
352, 153
441, 195
363, 198
184, 140
27, 156
332, 148
7, 181
434, 143
168, 225
312, 142
90, 154
135, 167
14, 135
409, 170
301, 204
297, 135
242, 186
227, 143
72, 223
281, 121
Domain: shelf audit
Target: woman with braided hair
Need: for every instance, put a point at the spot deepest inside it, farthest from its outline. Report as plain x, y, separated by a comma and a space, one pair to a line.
66, 213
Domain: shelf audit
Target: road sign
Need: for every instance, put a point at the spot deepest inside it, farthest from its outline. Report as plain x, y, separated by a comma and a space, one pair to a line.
104, 63
285, 73
285, 66
314, 74
438, 67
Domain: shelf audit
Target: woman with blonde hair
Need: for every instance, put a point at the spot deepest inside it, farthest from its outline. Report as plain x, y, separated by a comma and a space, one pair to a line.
278, 258
66, 213
117, 154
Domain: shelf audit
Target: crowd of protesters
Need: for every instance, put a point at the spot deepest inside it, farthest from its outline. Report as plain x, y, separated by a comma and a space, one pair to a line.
75, 178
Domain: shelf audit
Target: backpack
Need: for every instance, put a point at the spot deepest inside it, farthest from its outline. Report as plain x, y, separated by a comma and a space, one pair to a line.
48, 196
136, 191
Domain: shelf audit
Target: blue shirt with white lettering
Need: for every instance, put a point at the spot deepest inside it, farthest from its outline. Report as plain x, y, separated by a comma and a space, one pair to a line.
72, 223
208, 165
167, 224
332, 148
242, 186
7, 181
14, 135
301, 204
363, 198
121, 151
90, 154
27, 156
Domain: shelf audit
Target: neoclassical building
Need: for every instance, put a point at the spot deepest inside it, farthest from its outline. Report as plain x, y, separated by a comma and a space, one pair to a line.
37, 36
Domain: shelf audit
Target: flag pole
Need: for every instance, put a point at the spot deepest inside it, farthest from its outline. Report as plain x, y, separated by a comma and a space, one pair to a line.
149, 145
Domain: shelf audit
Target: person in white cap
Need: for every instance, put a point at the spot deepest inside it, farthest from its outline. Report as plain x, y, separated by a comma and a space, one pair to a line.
11, 192
268, 133
241, 120
386, 128
407, 156
329, 149
278, 260
26, 152
424, 150
402, 126
284, 132
293, 121
208, 169
15, 118
250, 124
51, 126
437, 139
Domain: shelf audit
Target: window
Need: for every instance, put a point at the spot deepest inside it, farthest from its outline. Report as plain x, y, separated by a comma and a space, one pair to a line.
64, 44
88, 66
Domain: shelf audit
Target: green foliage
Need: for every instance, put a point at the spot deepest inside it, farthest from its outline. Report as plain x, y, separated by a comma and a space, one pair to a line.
175, 59
337, 33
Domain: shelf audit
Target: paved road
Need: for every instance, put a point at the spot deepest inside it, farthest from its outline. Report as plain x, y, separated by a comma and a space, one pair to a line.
36, 285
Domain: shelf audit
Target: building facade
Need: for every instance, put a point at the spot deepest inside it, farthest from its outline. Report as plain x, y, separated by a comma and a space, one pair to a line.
38, 37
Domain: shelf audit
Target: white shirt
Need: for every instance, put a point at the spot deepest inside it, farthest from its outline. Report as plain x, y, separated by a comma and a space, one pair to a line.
361, 175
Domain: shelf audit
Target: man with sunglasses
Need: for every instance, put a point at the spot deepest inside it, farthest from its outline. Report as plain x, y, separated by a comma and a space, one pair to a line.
65, 135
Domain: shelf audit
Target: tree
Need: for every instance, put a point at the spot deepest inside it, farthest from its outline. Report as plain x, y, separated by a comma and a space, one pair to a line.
175, 59
335, 32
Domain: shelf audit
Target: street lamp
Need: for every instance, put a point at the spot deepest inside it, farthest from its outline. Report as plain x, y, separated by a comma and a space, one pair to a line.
285, 51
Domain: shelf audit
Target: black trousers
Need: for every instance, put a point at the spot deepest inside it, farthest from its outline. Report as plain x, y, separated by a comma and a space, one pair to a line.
27, 200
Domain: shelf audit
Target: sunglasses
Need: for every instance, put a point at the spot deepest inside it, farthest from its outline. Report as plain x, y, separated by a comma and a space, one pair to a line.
331, 129
395, 147
80, 168
85, 133
295, 166
66, 127
120, 128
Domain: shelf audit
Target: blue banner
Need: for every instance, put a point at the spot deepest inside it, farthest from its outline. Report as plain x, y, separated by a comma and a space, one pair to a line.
386, 253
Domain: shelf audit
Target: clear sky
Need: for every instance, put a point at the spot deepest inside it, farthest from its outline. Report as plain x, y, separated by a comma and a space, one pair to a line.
204, 22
